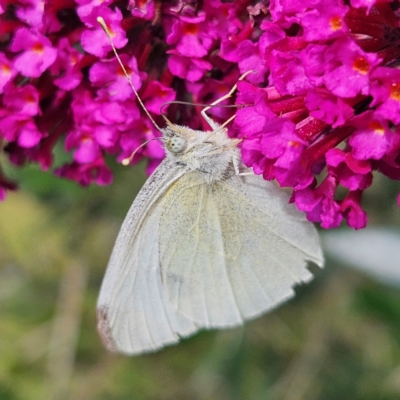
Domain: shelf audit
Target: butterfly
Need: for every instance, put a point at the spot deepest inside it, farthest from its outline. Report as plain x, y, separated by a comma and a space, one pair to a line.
204, 245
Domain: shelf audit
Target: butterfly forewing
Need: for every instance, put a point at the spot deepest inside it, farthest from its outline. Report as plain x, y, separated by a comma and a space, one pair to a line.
134, 314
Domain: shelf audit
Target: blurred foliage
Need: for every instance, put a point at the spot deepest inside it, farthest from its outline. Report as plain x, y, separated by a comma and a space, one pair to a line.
338, 339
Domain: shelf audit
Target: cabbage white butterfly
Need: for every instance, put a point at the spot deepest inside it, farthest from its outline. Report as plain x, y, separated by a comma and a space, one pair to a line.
202, 246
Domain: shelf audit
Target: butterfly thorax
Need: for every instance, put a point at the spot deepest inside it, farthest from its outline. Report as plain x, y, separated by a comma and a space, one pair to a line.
211, 153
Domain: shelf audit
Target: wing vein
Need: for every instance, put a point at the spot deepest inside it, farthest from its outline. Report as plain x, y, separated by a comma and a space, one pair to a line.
227, 274
236, 192
204, 300
145, 316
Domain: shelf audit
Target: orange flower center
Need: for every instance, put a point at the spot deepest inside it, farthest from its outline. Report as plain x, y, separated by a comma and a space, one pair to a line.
120, 71
377, 127
191, 29
29, 98
6, 69
395, 91
38, 48
361, 65
336, 23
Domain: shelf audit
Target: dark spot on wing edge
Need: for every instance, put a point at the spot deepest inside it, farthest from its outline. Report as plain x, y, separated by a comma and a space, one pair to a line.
104, 329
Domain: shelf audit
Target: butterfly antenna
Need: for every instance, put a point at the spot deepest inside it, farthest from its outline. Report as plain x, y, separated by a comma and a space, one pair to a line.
167, 121
101, 21
127, 161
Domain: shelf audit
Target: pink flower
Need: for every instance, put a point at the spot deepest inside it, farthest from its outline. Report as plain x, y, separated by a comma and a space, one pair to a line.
355, 216
67, 66
135, 135
189, 36
143, 9
88, 173
371, 138
385, 90
343, 68
111, 78
322, 77
22, 100
252, 120
325, 106
87, 147
109, 112
21, 129
324, 21
86, 8
288, 70
322, 103
351, 173
155, 95
30, 12
7, 72
368, 4
36, 53
192, 69
93, 40
320, 204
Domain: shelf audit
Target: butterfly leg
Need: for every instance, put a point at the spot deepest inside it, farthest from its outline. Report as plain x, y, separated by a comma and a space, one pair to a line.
219, 128
235, 163
229, 94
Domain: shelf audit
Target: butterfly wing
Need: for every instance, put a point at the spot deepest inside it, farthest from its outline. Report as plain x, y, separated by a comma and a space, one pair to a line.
232, 250
134, 314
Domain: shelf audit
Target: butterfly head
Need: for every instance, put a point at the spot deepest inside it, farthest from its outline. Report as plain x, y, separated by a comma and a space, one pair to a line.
175, 144
175, 139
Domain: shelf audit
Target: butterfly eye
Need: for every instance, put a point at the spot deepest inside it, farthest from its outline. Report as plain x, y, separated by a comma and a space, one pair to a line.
175, 144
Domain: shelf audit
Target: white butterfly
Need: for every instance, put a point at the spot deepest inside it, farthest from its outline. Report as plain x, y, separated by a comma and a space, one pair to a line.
201, 247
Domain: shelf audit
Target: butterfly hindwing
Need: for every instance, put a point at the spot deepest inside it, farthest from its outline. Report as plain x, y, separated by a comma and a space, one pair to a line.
232, 250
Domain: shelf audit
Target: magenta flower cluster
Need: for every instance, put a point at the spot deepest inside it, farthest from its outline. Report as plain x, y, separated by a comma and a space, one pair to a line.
322, 100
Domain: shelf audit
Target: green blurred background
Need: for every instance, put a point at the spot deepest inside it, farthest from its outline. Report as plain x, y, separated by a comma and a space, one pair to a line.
338, 339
